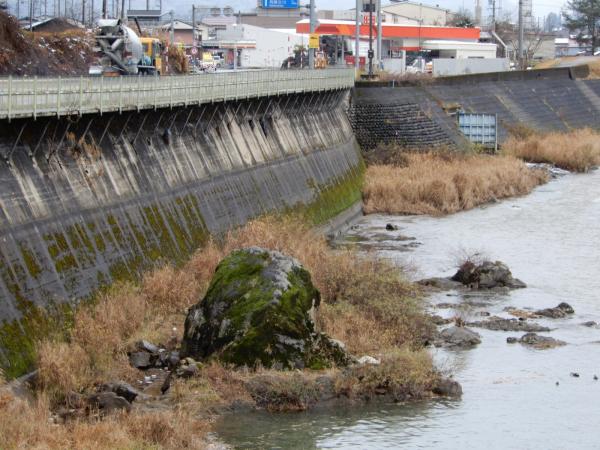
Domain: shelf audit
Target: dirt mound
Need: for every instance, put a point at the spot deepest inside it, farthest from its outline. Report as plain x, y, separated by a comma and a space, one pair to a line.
24, 53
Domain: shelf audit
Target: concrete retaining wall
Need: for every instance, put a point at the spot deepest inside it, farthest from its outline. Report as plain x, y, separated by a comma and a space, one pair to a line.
544, 100
92, 199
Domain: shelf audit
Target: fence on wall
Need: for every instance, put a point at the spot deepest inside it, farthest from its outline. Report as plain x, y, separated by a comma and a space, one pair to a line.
33, 97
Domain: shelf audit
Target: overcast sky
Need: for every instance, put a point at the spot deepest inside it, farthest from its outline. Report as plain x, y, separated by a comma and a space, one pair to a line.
540, 8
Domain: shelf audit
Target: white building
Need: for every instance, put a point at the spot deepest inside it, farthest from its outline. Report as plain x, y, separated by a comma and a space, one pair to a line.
413, 13
259, 47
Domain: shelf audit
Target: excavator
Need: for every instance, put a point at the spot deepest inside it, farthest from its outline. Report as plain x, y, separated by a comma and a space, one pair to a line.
123, 52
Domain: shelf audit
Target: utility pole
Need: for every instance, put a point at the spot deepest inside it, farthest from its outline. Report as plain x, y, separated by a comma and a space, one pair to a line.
193, 25
31, 15
172, 34
379, 58
104, 9
83, 12
123, 12
370, 54
313, 25
493, 15
521, 35
357, 38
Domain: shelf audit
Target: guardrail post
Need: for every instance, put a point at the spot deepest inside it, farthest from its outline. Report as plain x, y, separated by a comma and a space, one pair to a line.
155, 89
101, 93
138, 93
9, 96
120, 94
171, 91
80, 94
58, 99
35, 97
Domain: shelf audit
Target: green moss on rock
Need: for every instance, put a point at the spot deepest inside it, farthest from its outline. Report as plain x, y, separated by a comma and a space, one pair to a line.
257, 311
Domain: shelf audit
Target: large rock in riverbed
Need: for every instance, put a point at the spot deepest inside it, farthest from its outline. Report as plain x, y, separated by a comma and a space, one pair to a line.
458, 337
487, 275
259, 309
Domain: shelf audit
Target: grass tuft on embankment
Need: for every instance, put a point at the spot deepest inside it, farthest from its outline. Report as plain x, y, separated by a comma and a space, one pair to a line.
443, 182
577, 150
366, 302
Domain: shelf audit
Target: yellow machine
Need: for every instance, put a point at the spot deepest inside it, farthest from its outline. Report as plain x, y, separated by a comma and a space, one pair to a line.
152, 49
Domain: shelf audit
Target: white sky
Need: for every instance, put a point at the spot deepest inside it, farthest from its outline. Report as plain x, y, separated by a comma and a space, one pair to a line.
540, 7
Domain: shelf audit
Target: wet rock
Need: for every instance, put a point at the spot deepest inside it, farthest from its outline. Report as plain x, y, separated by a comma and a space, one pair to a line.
445, 305
589, 324
511, 340
558, 312
108, 402
166, 383
260, 308
439, 320
459, 337
141, 360
391, 227
574, 374
173, 359
540, 342
145, 346
502, 324
448, 388
487, 275
187, 371
122, 389
368, 360
520, 313
444, 284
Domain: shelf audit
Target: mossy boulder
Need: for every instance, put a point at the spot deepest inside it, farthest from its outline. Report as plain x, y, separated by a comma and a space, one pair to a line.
259, 310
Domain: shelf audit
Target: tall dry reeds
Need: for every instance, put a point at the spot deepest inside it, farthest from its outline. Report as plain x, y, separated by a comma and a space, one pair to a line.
577, 150
367, 292
440, 183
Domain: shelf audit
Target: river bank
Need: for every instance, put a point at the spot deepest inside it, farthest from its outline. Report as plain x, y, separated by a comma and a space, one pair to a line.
120, 364
514, 396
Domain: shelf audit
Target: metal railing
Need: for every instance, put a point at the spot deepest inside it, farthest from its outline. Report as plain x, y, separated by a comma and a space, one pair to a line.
34, 97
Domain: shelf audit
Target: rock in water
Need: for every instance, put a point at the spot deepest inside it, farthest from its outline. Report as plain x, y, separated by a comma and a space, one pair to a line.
259, 308
459, 337
487, 275
540, 342
558, 312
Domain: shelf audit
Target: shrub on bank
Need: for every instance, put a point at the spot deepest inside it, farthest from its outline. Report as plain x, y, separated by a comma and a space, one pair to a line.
577, 150
440, 183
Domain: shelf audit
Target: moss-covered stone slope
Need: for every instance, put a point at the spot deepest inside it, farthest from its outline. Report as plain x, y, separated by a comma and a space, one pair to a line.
259, 310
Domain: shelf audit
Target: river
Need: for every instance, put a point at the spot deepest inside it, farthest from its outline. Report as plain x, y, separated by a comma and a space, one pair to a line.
551, 240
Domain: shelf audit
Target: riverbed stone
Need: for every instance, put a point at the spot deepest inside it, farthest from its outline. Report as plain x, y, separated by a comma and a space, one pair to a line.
487, 275
259, 310
540, 342
108, 402
122, 389
501, 324
558, 312
140, 360
447, 387
459, 337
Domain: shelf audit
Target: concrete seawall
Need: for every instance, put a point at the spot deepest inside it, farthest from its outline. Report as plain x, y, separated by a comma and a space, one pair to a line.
547, 100
93, 199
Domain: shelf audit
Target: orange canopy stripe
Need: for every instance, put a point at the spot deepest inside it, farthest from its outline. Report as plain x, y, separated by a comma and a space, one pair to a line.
394, 31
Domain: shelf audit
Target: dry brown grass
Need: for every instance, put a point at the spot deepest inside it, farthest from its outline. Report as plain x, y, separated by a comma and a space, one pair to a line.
443, 183
367, 303
577, 150
28, 425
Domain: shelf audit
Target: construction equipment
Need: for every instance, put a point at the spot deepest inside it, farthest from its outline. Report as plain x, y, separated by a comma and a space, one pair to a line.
123, 52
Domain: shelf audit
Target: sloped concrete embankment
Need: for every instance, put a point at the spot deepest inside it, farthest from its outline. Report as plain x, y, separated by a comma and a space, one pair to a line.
89, 200
424, 115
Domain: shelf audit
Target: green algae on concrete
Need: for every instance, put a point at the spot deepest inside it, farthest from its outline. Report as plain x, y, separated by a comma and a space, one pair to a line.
259, 310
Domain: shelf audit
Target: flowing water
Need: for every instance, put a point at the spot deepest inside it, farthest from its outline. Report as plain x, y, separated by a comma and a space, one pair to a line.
551, 240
